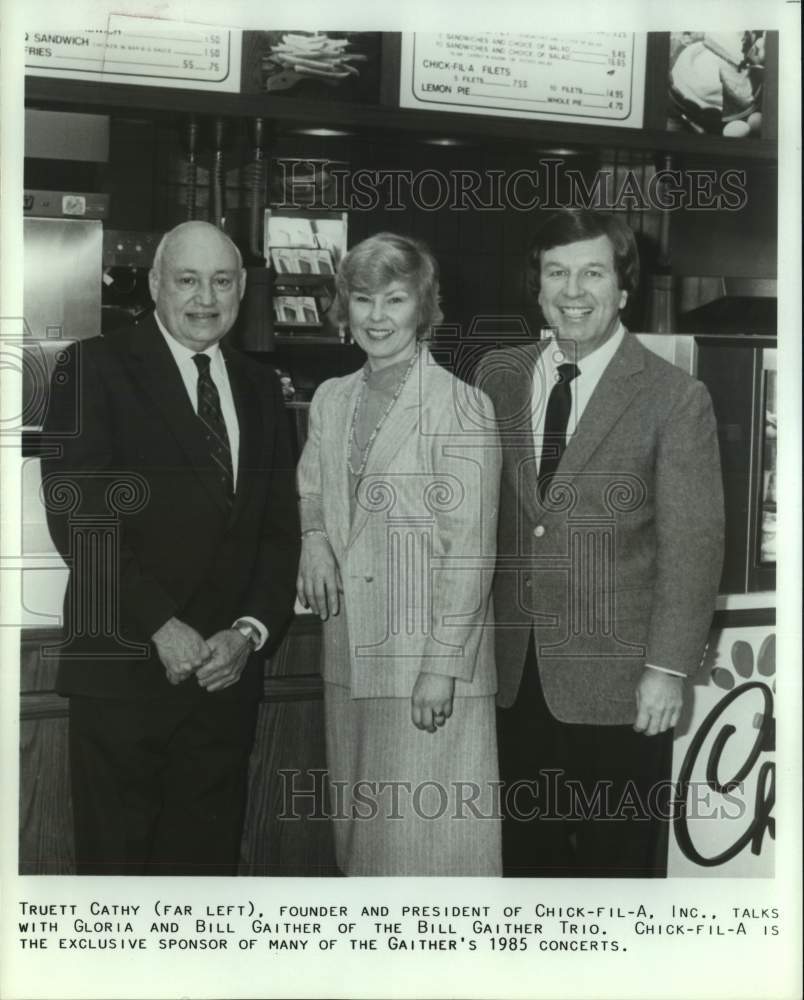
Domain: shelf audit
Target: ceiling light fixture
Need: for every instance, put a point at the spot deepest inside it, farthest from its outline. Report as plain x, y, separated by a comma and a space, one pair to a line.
444, 141
320, 131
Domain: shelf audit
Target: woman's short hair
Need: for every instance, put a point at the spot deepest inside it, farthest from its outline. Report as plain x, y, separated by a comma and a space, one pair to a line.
573, 225
381, 259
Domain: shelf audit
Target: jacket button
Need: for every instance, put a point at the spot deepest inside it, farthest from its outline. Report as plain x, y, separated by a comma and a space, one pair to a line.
369, 579
527, 582
538, 531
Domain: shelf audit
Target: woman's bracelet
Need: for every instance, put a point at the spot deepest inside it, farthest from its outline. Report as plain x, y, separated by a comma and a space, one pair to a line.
315, 531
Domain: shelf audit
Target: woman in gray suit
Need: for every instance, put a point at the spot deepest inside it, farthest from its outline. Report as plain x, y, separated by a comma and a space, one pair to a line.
398, 486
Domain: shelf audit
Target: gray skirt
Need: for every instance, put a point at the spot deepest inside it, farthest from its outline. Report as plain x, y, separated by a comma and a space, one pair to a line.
408, 802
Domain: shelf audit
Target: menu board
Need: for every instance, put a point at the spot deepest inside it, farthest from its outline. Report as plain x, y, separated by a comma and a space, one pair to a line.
147, 51
594, 78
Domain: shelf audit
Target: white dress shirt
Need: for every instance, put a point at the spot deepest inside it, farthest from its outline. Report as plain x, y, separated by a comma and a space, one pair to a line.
581, 387
183, 356
591, 369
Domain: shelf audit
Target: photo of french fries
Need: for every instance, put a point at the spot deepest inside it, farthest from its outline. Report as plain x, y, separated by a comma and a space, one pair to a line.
296, 56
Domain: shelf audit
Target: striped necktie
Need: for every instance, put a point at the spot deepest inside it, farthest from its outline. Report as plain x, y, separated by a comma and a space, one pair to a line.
209, 413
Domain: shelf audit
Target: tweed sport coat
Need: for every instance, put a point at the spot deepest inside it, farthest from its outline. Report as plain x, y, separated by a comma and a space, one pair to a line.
417, 557
128, 436
621, 563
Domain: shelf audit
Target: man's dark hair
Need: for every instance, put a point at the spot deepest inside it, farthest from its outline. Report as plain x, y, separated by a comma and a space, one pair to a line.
576, 224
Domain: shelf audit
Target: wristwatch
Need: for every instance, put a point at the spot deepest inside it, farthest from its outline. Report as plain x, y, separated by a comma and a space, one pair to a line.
247, 630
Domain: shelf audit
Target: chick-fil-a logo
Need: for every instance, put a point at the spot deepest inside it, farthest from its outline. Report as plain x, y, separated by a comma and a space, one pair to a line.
765, 795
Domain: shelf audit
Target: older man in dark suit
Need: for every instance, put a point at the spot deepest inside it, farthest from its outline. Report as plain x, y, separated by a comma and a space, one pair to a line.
187, 441
609, 558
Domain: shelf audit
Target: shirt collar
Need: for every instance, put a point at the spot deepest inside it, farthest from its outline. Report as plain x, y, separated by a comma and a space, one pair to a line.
594, 364
181, 353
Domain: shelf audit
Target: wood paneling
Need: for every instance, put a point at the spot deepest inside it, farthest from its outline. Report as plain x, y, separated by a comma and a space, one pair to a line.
46, 815
287, 834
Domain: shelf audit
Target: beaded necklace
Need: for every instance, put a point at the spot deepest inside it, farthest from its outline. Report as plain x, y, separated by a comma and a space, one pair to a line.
365, 452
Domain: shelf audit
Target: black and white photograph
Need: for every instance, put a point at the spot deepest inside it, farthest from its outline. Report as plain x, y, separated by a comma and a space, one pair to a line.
320, 65
401, 493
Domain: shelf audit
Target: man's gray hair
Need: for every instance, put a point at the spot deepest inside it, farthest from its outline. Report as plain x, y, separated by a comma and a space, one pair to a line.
160, 249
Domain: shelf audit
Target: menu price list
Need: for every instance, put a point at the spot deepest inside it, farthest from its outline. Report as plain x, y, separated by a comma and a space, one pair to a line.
594, 77
178, 927
137, 50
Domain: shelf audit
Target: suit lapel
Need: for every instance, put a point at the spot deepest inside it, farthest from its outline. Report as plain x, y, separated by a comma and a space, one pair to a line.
334, 444
513, 402
400, 423
156, 372
612, 396
249, 420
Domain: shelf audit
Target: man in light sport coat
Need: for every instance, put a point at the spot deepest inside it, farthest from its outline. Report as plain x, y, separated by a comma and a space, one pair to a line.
609, 557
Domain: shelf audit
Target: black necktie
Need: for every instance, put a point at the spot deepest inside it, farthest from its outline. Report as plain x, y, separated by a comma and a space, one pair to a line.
209, 412
555, 425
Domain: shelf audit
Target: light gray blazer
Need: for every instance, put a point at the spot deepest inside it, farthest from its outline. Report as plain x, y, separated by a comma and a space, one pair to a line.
417, 559
620, 566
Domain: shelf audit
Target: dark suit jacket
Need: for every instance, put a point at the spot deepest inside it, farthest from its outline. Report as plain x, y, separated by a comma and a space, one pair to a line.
620, 566
172, 546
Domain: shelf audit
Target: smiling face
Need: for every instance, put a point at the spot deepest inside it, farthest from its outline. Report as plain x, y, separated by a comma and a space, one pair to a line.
198, 286
384, 322
580, 292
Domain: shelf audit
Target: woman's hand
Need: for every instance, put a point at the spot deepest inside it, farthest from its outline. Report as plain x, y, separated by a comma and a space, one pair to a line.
318, 583
431, 701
